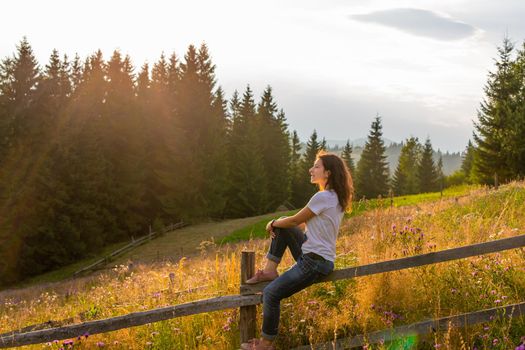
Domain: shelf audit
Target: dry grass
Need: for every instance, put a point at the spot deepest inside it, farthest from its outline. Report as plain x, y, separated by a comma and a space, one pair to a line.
324, 311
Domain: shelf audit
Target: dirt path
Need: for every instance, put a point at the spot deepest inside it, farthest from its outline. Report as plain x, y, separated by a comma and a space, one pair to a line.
185, 241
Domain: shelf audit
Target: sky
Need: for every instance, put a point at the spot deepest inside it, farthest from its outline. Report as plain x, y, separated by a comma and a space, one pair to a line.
333, 65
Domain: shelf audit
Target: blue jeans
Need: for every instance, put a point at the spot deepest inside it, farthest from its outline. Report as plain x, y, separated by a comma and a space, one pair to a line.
304, 273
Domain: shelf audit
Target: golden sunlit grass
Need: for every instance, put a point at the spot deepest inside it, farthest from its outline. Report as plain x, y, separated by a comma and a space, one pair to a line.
324, 311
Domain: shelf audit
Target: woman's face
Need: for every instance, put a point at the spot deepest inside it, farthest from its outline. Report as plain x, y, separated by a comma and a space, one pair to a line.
318, 174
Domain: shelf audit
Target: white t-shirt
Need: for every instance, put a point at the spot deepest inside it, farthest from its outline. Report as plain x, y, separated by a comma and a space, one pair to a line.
323, 228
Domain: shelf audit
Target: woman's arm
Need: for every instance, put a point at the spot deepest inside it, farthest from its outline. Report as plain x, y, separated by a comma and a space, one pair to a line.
301, 217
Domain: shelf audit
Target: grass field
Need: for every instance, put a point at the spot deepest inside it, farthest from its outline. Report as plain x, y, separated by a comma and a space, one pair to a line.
324, 311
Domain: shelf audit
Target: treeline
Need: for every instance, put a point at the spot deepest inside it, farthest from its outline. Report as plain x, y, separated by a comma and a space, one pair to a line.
416, 171
91, 153
496, 156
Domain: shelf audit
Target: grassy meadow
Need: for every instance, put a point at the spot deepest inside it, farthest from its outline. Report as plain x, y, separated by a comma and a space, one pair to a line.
324, 311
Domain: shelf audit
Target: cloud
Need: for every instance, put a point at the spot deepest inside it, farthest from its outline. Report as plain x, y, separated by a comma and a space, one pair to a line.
419, 22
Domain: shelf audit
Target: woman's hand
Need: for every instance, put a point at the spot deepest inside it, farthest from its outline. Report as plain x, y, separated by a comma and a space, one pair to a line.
269, 228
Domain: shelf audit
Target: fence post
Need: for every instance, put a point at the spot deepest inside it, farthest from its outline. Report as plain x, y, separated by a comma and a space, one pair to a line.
248, 314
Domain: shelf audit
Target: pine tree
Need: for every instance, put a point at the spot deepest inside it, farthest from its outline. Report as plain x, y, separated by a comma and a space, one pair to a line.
514, 140
426, 171
372, 169
405, 180
468, 160
19, 78
495, 120
346, 155
122, 148
439, 173
272, 140
163, 147
295, 168
20, 124
248, 177
304, 189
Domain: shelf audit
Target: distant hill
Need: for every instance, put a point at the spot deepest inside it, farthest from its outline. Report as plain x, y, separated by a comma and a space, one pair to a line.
355, 143
451, 161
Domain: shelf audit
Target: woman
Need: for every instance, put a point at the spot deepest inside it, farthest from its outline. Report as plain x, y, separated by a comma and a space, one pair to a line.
314, 250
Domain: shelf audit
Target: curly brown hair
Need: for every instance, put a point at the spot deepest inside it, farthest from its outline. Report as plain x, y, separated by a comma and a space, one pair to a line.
339, 180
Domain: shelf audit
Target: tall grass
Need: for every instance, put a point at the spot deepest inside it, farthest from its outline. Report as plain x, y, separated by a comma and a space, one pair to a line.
324, 311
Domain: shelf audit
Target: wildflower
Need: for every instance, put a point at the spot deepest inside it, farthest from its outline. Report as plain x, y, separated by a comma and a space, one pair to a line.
156, 295
486, 328
101, 344
497, 301
154, 333
520, 347
68, 342
493, 292
437, 346
503, 297
115, 342
226, 328
393, 227
453, 291
86, 335
495, 341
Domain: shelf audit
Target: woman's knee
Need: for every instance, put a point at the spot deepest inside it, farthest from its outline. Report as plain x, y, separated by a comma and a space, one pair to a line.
270, 296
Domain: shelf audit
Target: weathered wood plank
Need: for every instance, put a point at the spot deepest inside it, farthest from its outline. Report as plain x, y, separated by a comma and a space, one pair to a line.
130, 320
412, 261
420, 328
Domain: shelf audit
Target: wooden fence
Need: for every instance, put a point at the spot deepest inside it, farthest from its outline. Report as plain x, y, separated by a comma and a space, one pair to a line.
134, 243
250, 297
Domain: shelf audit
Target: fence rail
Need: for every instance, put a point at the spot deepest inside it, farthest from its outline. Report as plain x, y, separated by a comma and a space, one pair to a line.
412, 261
419, 328
249, 297
130, 320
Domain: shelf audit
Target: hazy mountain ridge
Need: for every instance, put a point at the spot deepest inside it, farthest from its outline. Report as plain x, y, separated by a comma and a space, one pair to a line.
451, 161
